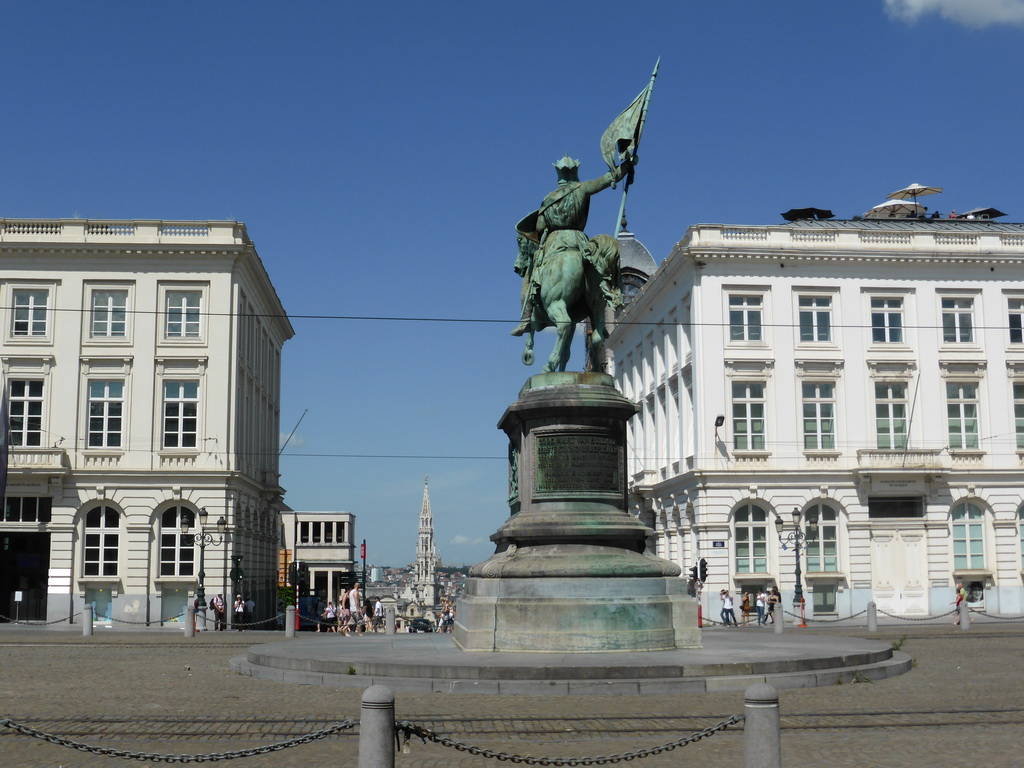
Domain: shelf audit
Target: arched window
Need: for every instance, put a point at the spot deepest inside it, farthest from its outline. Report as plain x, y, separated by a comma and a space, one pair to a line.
751, 539
631, 285
102, 528
177, 549
823, 545
968, 537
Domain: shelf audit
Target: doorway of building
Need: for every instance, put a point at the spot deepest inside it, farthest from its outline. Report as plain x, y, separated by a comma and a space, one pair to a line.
24, 562
898, 570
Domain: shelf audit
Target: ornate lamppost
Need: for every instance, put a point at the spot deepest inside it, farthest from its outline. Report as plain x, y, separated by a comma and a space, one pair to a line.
797, 537
203, 539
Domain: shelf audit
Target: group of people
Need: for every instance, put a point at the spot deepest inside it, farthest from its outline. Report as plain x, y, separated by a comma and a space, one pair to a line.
446, 618
241, 611
764, 603
352, 614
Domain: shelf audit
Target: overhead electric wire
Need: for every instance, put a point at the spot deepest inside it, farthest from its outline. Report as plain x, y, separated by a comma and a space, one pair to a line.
493, 321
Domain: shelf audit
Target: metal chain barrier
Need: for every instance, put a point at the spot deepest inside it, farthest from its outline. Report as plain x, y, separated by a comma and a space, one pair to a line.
408, 730
363, 620
161, 758
917, 618
171, 620
997, 616
825, 621
236, 624
37, 623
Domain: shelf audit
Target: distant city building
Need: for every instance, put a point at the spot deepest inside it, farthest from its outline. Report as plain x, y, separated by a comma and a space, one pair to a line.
142, 367
866, 374
325, 543
423, 588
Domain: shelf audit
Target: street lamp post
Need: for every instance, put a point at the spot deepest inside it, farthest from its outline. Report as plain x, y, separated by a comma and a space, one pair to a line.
797, 538
203, 539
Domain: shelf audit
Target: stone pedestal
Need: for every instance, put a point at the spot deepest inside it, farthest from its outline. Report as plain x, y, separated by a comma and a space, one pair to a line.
570, 572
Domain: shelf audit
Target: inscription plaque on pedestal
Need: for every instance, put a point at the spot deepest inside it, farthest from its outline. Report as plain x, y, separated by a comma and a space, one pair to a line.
577, 462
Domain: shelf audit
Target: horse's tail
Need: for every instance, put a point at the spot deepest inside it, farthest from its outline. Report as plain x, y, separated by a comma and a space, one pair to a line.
528, 350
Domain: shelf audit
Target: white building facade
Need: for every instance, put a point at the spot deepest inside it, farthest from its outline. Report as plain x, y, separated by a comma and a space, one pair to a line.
142, 367
869, 374
325, 543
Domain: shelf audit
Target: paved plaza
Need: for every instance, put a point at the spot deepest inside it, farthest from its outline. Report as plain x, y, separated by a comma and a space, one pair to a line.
155, 691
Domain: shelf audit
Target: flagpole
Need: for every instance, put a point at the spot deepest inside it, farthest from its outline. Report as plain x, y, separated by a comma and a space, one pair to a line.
621, 221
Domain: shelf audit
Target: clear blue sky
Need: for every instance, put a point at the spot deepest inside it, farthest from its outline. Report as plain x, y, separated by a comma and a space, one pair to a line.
381, 155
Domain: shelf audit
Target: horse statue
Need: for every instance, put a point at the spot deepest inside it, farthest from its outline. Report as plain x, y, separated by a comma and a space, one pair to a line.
568, 278
572, 285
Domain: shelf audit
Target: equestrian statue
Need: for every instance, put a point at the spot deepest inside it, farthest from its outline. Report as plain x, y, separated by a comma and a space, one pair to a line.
567, 277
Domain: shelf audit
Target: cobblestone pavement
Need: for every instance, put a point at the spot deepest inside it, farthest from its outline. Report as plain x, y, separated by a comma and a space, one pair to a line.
155, 691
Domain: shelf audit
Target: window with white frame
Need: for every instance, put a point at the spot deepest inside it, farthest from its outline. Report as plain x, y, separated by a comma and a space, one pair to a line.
321, 532
106, 405
30, 312
887, 320
177, 549
957, 320
819, 415
183, 314
751, 539
25, 408
28, 509
102, 530
962, 414
823, 546
890, 415
968, 537
745, 318
1020, 534
815, 318
109, 319
1016, 320
181, 414
748, 405
1018, 414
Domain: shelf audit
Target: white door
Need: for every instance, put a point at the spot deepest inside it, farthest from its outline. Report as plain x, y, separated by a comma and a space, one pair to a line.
899, 571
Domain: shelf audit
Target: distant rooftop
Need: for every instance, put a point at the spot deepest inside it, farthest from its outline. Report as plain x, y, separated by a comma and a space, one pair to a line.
952, 225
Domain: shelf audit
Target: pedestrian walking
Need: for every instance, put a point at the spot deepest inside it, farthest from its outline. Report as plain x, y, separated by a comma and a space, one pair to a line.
218, 612
238, 612
774, 598
745, 609
378, 615
728, 612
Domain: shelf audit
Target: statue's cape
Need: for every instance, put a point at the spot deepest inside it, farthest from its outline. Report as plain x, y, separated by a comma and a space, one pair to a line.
527, 227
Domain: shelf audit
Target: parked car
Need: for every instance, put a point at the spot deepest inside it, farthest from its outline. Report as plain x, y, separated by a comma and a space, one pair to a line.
421, 625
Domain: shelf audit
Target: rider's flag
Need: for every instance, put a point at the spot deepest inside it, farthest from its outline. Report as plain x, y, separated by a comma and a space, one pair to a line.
623, 135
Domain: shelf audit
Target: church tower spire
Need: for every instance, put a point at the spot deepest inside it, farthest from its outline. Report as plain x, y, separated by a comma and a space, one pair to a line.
426, 554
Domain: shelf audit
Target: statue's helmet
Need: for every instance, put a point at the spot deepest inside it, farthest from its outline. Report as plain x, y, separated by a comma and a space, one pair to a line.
567, 170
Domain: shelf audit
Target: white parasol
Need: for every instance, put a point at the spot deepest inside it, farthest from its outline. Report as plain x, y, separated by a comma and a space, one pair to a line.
895, 209
913, 192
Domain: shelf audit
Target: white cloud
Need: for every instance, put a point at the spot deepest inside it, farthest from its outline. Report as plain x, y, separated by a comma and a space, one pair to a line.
296, 441
460, 539
970, 13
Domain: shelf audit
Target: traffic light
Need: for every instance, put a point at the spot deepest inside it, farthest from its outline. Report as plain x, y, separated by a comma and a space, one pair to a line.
702, 569
301, 574
693, 573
